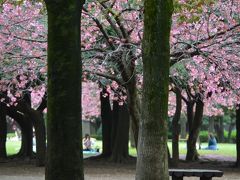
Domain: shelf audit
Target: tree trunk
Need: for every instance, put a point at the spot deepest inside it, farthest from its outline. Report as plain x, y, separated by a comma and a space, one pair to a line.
106, 116
120, 145
211, 124
231, 126
64, 131
176, 128
26, 130
183, 123
219, 128
190, 116
134, 108
3, 132
192, 153
152, 160
40, 134
238, 135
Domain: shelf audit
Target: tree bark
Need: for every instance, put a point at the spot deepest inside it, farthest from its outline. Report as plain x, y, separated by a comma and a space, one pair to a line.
192, 153
121, 137
219, 129
64, 131
40, 134
106, 116
152, 160
176, 128
134, 107
3, 132
238, 135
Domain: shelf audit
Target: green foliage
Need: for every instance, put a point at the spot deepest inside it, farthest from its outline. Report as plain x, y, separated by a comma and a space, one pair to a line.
10, 135
203, 135
232, 137
97, 136
192, 7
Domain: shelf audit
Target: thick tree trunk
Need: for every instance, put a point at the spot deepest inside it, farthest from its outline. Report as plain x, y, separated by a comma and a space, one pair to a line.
152, 160
106, 116
120, 145
238, 135
176, 128
192, 153
3, 132
64, 131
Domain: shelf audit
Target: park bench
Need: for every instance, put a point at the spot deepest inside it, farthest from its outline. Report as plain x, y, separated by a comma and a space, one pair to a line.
178, 174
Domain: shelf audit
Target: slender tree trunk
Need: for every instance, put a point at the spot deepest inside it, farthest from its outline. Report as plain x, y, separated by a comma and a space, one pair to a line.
40, 134
219, 129
106, 115
134, 107
152, 160
64, 131
231, 126
190, 116
176, 128
183, 123
3, 132
192, 153
238, 135
211, 124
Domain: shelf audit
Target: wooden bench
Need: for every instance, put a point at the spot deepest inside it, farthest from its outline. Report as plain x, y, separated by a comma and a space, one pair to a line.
204, 174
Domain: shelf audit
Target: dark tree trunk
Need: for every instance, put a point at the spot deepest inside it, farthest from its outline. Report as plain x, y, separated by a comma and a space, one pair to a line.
238, 135
190, 115
115, 120
176, 128
35, 117
106, 116
120, 145
40, 133
231, 126
64, 131
219, 128
3, 132
192, 153
27, 135
152, 159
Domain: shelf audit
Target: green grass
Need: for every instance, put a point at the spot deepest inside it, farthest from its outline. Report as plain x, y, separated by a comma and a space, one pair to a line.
13, 147
224, 149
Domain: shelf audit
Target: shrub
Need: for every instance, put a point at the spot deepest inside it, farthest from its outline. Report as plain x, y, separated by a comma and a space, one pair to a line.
203, 135
10, 135
96, 136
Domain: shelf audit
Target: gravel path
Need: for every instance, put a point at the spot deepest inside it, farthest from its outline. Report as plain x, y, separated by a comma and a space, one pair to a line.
105, 171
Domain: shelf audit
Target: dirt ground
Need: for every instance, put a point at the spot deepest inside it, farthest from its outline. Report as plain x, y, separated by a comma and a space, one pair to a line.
102, 170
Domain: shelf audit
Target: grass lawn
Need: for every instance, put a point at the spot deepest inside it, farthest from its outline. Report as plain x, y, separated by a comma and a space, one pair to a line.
13, 147
224, 149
